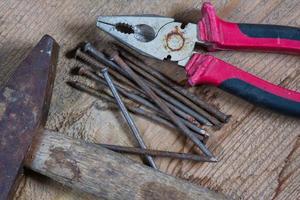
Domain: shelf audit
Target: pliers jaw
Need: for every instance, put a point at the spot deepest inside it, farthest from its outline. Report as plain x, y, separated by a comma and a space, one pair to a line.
155, 36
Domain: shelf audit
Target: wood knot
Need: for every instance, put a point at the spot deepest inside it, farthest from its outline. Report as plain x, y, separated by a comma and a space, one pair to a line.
61, 160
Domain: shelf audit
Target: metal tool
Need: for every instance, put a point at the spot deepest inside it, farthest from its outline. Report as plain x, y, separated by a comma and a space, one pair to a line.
24, 105
163, 38
127, 116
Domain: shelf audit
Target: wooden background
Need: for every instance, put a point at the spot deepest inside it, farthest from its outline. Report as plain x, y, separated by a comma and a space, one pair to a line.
258, 149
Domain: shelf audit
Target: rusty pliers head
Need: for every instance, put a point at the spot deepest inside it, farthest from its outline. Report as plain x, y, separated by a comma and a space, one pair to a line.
155, 36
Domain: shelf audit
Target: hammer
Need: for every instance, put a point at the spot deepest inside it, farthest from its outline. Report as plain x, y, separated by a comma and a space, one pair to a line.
24, 106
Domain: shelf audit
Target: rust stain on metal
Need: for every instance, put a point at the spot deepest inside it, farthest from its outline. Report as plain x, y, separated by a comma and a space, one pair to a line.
194, 121
60, 157
175, 40
24, 103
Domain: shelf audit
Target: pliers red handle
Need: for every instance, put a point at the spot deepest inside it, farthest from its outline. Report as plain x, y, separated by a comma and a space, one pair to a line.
163, 38
207, 69
224, 35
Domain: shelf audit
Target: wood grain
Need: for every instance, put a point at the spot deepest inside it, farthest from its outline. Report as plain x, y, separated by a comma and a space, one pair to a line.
258, 149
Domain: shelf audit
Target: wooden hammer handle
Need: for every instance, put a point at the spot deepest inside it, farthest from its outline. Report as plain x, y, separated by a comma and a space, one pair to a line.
104, 173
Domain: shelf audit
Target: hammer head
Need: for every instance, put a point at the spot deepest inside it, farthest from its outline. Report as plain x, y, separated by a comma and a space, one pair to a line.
24, 105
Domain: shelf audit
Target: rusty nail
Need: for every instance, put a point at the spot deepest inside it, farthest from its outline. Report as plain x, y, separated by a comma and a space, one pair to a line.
133, 150
126, 115
115, 56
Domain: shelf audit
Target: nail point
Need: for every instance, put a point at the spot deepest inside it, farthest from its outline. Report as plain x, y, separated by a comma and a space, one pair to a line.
209, 124
205, 133
214, 159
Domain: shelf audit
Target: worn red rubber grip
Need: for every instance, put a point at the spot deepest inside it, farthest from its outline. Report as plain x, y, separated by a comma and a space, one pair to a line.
206, 69
258, 37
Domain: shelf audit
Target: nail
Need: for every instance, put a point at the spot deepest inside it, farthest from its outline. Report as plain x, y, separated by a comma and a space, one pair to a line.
126, 115
169, 154
114, 55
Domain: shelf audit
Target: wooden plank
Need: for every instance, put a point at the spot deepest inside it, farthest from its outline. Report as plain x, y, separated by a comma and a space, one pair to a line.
258, 149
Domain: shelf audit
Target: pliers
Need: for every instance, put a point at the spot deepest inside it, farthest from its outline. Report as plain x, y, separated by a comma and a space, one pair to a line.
164, 38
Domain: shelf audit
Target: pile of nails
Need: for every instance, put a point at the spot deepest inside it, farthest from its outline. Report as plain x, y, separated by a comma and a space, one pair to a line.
161, 100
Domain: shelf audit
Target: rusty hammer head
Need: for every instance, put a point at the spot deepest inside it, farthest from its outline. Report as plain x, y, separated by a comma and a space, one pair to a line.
24, 105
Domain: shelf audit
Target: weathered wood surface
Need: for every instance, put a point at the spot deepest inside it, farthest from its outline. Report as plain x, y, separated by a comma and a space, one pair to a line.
106, 174
258, 150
